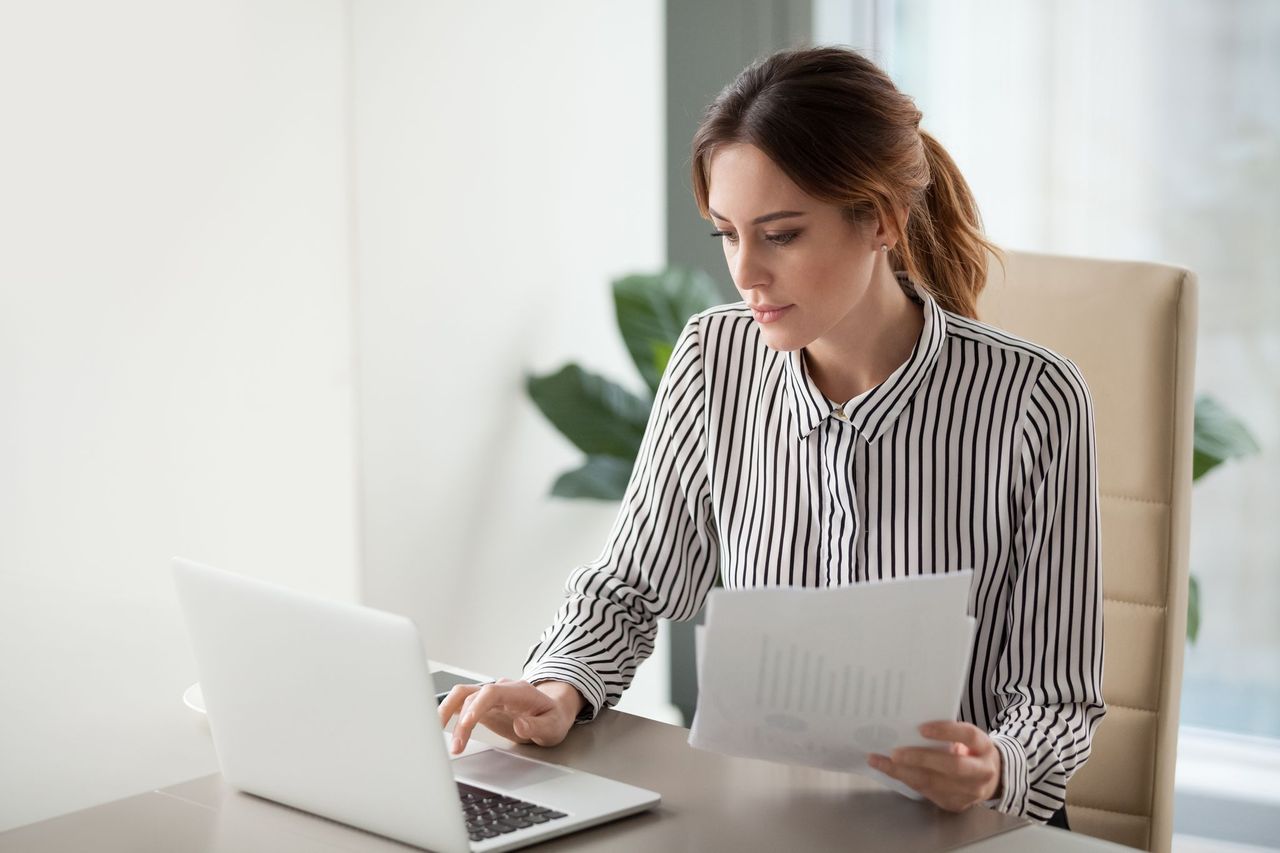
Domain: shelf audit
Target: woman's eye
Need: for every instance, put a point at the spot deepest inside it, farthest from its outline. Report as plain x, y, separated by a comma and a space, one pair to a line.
776, 239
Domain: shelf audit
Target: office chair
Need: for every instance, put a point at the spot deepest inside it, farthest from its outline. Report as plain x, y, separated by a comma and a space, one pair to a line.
1131, 329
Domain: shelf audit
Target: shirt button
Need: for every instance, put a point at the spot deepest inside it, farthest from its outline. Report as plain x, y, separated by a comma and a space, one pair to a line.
839, 413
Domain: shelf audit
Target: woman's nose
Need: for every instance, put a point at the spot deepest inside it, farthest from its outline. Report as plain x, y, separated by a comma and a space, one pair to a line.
747, 269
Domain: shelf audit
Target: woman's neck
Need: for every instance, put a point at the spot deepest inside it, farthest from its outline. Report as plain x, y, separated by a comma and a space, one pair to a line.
873, 340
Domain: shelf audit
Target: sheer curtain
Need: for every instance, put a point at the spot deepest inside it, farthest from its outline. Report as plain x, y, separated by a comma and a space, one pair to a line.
1143, 130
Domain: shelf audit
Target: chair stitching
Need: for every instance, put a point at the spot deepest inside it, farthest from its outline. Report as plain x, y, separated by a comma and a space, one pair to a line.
1135, 603
1132, 500
1111, 705
1145, 817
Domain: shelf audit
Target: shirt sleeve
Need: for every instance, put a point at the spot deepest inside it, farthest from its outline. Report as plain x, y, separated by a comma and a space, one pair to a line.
1049, 678
661, 556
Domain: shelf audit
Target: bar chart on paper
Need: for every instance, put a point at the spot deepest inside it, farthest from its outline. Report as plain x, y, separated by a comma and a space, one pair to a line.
857, 704
792, 678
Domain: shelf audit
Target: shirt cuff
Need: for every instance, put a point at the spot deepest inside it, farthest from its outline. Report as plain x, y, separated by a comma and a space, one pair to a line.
575, 672
1013, 776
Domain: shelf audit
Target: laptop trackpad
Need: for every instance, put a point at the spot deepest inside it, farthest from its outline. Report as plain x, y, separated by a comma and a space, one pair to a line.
502, 769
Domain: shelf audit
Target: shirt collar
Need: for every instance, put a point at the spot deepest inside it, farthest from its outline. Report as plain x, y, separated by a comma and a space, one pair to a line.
873, 411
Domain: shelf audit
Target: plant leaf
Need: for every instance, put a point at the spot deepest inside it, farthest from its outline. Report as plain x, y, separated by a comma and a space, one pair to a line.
602, 478
653, 309
1219, 436
661, 355
600, 417
1193, 609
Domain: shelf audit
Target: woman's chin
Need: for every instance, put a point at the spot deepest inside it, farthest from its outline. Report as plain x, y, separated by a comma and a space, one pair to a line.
779, 340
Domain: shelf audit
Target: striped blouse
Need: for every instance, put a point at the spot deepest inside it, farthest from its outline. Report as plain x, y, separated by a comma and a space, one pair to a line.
978, 451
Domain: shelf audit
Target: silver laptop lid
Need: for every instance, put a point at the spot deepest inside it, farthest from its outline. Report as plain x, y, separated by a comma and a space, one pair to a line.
299, 716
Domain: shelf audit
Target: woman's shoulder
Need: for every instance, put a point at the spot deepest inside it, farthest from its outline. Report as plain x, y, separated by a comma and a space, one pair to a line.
718, 319
1046, 362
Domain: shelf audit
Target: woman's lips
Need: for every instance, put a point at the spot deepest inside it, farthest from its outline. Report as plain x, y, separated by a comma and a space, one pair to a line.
765, 317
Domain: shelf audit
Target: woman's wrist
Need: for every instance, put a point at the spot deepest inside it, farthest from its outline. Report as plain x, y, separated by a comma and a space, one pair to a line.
565, 695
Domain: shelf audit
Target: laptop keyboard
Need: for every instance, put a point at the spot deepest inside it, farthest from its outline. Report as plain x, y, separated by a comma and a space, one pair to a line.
490, 814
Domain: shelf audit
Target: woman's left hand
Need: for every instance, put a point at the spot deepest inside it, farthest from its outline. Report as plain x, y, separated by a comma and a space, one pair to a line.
965, 774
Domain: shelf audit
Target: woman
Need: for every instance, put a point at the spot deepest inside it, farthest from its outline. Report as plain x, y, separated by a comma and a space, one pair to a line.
850, 420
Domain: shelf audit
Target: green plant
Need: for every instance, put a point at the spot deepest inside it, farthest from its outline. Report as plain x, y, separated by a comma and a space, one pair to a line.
602, 418
1219, 436
606, 421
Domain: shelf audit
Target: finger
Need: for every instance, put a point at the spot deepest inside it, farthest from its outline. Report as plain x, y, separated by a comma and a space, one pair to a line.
968, 734
474, 707
940, 762
511, 699
930, 785
466, 703
542, 729
452, 703
920, 780
958, 786
479, 703
528, 728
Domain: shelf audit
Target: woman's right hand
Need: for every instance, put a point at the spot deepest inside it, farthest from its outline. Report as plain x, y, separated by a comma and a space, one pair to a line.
516, 710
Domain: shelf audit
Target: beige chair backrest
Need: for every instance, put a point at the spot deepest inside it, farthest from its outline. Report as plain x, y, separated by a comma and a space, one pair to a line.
1131, 329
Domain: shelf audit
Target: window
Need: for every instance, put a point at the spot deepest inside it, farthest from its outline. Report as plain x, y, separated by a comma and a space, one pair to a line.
1151, 131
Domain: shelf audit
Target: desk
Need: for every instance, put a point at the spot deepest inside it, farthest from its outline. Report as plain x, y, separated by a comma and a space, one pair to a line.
710, 802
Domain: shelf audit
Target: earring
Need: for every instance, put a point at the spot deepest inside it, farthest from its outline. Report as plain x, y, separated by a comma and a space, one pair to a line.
884, 247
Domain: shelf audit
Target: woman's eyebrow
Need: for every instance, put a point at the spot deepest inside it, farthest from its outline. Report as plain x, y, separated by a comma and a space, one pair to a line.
768, 217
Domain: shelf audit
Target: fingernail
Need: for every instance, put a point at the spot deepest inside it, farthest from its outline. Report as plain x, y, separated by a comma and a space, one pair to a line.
457, 744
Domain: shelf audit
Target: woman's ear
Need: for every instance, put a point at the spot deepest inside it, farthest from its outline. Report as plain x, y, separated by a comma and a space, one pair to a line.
886, 232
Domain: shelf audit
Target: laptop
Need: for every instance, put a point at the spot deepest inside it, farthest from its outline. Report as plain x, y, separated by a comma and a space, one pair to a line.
329, 707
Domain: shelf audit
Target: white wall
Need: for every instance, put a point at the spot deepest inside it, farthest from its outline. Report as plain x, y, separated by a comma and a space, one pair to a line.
185, 317
509, 165
175, 357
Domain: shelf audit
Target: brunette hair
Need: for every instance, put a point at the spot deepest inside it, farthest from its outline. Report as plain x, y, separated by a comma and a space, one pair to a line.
838, 127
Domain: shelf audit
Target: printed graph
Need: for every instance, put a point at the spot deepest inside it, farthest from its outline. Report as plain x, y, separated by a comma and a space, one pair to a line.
797, 680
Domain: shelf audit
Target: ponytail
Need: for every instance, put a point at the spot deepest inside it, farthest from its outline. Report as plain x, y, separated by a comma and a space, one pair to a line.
944, 249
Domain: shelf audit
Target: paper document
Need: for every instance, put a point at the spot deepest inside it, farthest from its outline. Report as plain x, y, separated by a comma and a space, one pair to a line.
824, 677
